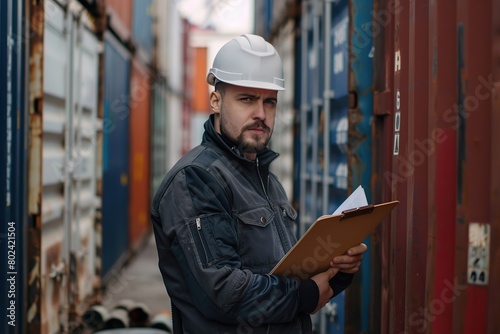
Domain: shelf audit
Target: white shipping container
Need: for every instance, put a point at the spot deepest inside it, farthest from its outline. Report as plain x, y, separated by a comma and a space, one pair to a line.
70, 171
169, 37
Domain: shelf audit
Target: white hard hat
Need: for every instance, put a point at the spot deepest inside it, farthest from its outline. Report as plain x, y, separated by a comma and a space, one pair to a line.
248, 61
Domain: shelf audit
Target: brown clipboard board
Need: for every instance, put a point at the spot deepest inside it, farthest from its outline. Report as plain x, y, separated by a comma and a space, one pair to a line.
330, 236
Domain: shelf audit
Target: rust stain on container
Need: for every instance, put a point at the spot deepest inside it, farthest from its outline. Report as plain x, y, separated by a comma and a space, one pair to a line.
52, 287
35, 106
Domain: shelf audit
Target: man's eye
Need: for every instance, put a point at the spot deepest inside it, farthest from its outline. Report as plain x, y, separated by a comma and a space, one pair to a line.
245, 99
271, 102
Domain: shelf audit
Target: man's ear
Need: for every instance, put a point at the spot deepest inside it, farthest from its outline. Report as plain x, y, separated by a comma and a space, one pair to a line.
215, 101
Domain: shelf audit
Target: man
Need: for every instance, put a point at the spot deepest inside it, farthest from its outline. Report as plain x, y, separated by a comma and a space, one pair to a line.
222, 221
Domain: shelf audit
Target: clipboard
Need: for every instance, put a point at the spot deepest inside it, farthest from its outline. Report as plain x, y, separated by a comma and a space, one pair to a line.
330, 236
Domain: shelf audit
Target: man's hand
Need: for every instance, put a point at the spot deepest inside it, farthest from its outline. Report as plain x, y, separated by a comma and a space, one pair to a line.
325, 291
351, 261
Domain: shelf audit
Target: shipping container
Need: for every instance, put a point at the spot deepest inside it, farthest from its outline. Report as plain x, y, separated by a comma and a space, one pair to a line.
159, 132
426, 91
69, 169
32, 248
115, 156
13, 167
286, 115
435, 114
199, 100
159, 108
336, 109
139, 123
276, 22
119, 13
142, 29
168, 61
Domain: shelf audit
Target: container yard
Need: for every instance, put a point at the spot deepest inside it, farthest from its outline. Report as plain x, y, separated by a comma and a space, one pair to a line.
100, 98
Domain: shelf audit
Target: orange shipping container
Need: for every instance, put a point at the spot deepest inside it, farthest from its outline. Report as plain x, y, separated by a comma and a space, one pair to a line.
199, 100
140, 92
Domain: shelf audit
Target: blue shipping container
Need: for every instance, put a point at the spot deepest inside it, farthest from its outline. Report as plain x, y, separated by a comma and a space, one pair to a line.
360, 141
13, 167
142, 26
336, 107
115, 159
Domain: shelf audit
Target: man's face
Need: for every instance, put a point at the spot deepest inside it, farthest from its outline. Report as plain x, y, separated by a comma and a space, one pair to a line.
245, 116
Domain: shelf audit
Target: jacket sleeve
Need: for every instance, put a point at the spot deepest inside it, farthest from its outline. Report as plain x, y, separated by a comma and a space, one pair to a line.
340, 282
196, 209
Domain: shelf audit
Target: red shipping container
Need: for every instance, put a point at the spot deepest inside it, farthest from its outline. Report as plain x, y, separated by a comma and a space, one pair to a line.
436, 125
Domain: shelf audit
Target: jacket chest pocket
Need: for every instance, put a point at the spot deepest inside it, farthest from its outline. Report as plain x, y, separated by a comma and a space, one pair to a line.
259, 242
288, 213
258, 217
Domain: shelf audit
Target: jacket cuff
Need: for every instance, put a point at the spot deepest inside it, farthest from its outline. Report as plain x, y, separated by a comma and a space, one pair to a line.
308, 296
340, 282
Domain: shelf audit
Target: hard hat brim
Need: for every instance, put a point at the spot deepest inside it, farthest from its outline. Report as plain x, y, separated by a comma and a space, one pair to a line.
247, 83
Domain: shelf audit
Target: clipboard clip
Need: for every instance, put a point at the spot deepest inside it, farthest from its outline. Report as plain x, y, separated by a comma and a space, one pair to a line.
362, 210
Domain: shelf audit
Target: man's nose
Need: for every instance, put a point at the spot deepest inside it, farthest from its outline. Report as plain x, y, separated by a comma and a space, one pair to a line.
260, 112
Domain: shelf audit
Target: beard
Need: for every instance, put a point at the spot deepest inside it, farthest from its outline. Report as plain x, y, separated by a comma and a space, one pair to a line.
245, 141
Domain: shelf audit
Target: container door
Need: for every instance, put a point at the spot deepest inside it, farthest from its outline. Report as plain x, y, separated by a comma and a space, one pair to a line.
69, 173
336, 108
115, 158
86, 170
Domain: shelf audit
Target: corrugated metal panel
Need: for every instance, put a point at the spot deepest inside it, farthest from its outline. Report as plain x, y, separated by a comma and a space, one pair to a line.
159, 133
13, 185
170, 52
115, 155
442, 96
283, 134
384, 103
474, 155
360, 309
324, 124
140, 101
142, 28
186, 88
494, 291
70, 175
443, 169
312, 117
399, 232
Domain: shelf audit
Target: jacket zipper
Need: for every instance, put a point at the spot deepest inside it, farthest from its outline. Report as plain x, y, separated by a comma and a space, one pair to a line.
280, 231
198, 229
261, 181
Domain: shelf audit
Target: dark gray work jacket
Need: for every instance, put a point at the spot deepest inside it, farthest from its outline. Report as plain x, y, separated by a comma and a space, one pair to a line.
221, 223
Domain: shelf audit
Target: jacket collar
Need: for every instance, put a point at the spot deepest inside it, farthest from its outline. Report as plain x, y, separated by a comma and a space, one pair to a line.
212, 137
